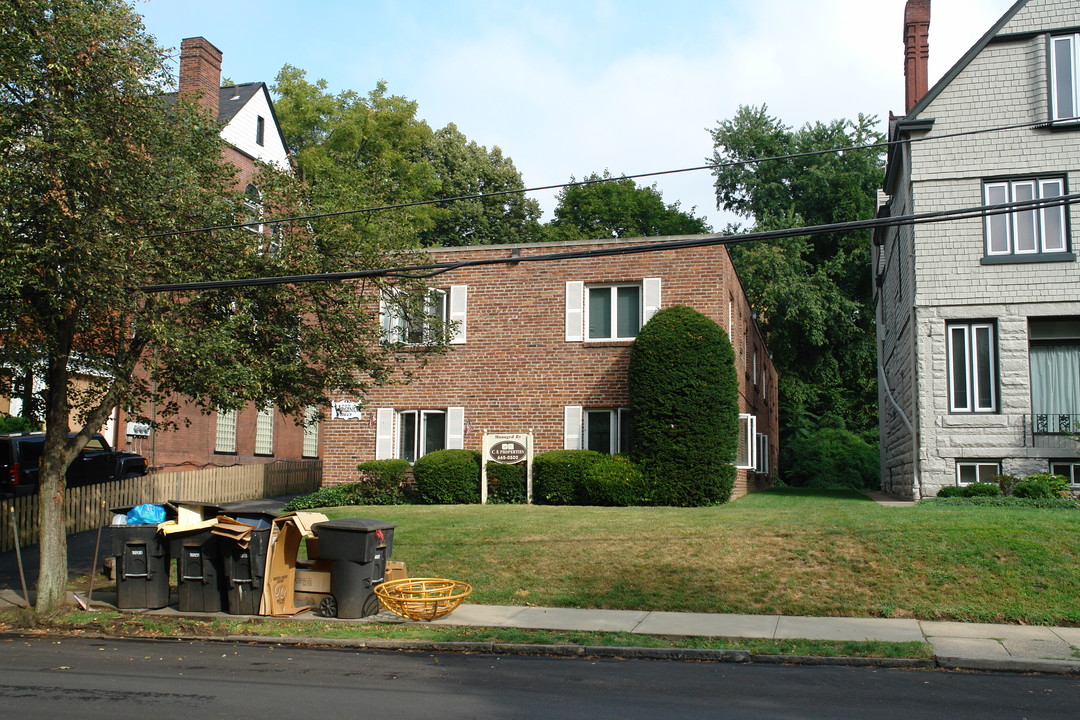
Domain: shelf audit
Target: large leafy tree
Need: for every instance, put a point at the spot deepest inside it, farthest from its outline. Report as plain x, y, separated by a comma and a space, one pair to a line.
467, 170
602, 206
813, 294
96, 175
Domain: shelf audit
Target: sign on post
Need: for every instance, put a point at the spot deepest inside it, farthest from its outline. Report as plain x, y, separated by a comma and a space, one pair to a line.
507, 449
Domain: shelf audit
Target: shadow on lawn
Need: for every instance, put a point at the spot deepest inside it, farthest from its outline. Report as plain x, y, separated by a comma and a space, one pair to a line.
831, 494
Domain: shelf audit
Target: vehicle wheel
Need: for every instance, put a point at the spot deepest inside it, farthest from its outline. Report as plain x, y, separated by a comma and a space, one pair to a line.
328, 606
371, 605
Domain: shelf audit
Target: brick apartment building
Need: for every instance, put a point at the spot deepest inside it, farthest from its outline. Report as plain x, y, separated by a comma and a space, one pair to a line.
251, 131
544, 347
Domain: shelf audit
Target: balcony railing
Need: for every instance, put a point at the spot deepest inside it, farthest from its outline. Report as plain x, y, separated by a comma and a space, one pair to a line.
1055, 428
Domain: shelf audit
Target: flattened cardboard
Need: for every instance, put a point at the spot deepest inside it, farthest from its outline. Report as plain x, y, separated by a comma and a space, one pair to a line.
286, 532
395, 570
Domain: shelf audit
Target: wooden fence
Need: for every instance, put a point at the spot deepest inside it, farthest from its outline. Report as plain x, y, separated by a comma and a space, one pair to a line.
89, 507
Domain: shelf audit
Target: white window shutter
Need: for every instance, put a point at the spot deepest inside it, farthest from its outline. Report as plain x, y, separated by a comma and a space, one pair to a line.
458, 306
386, 320
650, 298
384, 433
572, 427
455, 428
575, 310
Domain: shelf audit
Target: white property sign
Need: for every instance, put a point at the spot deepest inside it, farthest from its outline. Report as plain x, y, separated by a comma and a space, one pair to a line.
508, 449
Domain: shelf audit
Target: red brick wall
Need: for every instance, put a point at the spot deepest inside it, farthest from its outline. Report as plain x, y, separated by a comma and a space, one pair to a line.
517, 372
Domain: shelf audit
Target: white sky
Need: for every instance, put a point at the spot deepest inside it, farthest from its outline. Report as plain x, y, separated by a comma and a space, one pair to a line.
570, 87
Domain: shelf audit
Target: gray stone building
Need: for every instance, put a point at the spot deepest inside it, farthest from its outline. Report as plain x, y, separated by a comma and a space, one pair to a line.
978, 316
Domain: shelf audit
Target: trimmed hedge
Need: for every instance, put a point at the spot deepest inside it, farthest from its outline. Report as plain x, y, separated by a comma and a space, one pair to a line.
386, 480
978, 489
448, 477
507, 483
1053, 503
685, 407
557, 476
614, 480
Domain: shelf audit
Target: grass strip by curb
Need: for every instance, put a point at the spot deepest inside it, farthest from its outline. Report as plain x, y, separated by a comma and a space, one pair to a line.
372, 634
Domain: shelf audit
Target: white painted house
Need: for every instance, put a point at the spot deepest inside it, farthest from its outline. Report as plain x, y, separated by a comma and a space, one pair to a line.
979, 318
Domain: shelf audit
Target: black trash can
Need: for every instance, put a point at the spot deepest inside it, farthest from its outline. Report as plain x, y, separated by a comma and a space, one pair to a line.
142, 565
358, 549
245, 567
200, 572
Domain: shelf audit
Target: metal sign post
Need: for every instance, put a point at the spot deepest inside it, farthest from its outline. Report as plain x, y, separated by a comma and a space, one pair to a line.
507, 449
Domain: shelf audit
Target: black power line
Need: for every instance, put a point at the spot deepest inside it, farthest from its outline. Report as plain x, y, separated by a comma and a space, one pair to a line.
695, 241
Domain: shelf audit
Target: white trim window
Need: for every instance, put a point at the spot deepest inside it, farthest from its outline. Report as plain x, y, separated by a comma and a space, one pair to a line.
971, 471
264, 432
1025, 232
414, 323
253, 205
225, 432
1064, 83
1069, 469
761, 466
746, 449
606, 430
972, 358
609, 311
411, 434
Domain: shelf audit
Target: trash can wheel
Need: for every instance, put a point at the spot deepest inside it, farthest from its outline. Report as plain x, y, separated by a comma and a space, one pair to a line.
371, 605
328, 606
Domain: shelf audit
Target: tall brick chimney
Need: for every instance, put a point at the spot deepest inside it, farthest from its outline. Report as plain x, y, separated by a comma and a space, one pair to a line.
916, 51
200, 72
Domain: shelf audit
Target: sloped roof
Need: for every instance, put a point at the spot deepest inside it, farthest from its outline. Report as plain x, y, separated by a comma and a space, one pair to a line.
231, 98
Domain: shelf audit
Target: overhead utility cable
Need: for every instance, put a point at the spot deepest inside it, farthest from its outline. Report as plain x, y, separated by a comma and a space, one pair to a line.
695, 241
500, 193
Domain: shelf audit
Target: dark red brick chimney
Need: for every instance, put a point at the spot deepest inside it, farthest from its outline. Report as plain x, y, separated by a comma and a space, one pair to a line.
200, 72
916, 50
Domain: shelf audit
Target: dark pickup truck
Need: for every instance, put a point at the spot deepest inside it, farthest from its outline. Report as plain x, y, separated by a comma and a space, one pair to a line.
98, 462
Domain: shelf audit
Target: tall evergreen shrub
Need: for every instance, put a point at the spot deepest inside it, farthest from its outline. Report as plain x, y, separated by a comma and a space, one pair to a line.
685, 409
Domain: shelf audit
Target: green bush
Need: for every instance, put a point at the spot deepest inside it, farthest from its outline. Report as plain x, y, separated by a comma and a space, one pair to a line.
9, 424
507, 483
333, 496
448, 477
385, 480
981, 489
833, 457
685, 408
557, 476
950, 491
614, 480
1033, 489
1058, 485
1006, 483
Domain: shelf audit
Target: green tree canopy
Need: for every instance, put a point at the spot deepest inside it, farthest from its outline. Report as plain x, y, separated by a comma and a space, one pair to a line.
466, 169
813, 294
605, 207
97, 177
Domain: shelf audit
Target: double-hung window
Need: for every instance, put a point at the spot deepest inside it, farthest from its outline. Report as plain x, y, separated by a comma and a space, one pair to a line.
1025, 232
420, 432
972, 358
613, 311
424, 318
607, 431
1064, 84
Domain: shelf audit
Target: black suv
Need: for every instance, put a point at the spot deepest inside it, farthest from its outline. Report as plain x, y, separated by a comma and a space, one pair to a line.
20, 454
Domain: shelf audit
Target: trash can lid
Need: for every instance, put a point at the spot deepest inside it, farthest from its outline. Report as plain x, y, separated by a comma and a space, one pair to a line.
353, 525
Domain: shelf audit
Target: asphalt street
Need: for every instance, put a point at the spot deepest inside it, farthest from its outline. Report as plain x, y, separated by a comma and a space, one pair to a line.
119, 679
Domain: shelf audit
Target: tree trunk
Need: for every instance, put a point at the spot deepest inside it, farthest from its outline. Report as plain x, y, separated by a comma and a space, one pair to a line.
52, 539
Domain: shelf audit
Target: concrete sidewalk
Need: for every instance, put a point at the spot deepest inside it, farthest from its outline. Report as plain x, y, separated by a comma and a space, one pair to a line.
969, 646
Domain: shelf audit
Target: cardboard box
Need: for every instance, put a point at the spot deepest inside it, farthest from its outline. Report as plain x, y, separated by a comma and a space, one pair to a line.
395, 570
312, 581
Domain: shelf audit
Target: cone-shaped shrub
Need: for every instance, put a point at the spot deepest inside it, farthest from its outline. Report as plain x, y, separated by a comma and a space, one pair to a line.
684, 396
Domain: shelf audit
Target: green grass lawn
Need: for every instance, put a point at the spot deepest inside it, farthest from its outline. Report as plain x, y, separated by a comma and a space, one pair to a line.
780, 552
